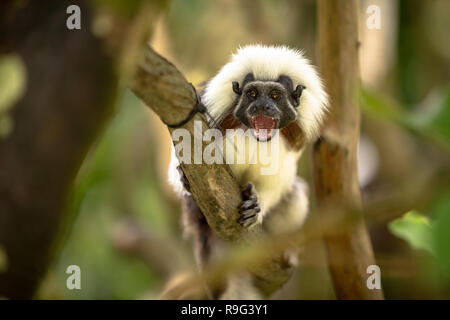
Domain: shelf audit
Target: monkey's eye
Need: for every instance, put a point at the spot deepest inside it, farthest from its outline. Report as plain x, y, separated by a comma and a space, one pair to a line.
275, 95
252, 93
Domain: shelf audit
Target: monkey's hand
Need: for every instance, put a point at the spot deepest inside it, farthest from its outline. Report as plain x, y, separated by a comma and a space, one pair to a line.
183, 179
249, 207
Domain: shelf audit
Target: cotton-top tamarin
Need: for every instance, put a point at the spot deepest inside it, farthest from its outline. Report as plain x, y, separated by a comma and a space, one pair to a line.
276, 93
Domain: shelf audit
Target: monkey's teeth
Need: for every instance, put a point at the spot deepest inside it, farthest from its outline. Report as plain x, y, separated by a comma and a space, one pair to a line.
262, 126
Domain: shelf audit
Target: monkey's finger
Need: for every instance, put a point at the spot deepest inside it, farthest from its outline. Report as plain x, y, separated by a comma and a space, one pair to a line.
253, 208
246, 217
251, 221
247, 190
248, 224
247, 204
250, 212
248, 221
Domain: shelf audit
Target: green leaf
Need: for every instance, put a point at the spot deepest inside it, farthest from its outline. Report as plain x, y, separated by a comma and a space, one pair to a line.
415, 229
433, 237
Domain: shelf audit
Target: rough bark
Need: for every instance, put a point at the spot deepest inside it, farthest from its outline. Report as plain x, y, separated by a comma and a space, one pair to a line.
349, 248
165, 90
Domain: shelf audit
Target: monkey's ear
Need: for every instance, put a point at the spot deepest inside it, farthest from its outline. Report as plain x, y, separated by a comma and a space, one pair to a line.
297, 93
286, 82
248, 78
236, 88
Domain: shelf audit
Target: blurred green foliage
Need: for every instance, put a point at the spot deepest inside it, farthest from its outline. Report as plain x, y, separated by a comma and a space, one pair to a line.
12, 80
431, 122
112, 184
3, 260
440, 212
127, 8
12, 86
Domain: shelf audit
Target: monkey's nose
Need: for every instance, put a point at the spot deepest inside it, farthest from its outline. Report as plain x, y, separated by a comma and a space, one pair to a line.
266, 109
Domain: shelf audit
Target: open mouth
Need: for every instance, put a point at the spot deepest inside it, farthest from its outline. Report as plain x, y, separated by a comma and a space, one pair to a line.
263, 127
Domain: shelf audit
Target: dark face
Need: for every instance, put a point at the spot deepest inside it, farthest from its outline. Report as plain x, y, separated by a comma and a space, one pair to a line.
266, 105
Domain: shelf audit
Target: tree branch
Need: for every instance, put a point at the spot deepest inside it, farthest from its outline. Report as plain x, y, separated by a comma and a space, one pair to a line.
161, 253
335, 162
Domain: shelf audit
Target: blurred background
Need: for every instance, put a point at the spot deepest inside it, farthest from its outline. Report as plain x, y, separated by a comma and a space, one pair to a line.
121, 206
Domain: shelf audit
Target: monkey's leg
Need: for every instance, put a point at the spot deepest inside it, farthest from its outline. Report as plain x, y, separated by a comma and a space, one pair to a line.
207, 246
289, 215
195, 225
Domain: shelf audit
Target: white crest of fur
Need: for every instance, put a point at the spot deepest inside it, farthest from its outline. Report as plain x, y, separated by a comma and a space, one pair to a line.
268, 63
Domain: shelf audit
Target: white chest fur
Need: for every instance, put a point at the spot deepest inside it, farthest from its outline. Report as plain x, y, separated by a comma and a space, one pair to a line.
270, 166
